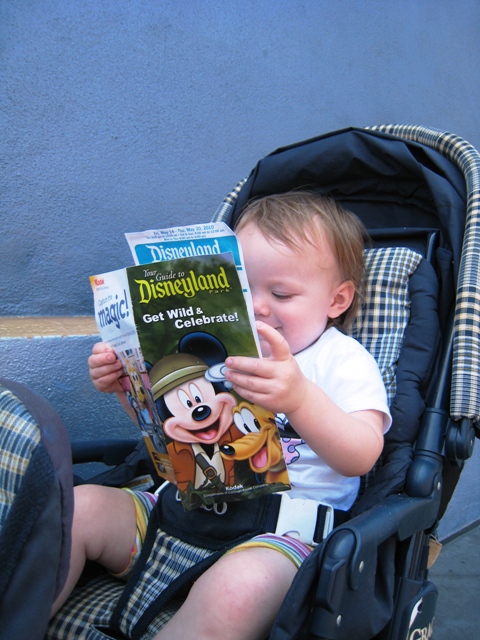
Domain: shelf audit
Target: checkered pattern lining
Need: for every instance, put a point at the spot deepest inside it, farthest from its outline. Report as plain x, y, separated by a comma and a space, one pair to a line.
222, 214
465, 393
20, 436
26, 477
171, 558
87, 613
90, 607
380, 323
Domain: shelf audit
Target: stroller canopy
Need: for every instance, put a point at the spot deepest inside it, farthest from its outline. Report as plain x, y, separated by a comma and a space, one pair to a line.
396, 176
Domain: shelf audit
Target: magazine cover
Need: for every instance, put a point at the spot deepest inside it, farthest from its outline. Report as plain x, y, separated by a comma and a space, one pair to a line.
173, 323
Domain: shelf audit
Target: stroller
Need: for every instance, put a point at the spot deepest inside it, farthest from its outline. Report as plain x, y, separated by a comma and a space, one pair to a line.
417, 191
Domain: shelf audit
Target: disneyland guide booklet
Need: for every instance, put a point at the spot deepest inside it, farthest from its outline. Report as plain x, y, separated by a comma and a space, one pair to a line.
173, 319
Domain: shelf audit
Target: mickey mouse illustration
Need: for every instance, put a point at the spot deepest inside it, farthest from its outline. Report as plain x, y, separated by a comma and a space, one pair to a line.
196, 412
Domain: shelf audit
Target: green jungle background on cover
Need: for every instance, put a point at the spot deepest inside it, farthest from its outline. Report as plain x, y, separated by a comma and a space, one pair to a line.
161, 338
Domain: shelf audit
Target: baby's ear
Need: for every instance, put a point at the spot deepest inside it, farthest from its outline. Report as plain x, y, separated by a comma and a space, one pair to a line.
343, 298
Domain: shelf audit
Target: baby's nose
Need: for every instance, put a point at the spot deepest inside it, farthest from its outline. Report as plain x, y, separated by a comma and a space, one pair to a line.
260, 307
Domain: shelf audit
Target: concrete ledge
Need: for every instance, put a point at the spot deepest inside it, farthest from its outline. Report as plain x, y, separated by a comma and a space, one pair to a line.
47, 326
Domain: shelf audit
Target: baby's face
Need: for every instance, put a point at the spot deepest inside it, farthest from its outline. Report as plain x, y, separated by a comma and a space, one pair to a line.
294, 291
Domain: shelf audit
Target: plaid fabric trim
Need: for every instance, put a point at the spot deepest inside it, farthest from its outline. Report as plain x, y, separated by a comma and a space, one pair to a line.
222, 214
465, 393
380, 323
169, 559
88, 606
19, 437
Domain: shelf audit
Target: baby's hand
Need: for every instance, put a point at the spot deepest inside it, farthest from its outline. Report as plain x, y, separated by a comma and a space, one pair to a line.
276, 382
105, 368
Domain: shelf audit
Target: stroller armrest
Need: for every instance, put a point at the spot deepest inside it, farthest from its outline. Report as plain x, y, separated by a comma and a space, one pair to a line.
397, 515
353, 572
355, 566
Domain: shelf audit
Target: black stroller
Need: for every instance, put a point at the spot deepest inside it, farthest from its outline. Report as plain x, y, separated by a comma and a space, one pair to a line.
417, 191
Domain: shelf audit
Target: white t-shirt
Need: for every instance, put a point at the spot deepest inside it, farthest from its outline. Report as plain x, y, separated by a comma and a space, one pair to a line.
349, 375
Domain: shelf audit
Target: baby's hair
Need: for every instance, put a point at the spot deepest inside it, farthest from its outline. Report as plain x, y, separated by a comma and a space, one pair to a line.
296, 217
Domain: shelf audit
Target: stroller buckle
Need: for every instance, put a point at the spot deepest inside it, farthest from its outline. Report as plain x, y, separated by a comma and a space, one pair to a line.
306, 520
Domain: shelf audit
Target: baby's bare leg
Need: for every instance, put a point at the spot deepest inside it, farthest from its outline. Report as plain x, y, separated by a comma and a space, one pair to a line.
104, 529
237, 598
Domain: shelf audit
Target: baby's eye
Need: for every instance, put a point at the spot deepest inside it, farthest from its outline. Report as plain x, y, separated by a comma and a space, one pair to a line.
282, 296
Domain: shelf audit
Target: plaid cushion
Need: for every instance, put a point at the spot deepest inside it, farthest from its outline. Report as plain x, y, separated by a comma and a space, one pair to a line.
380, 323
89, 608
19, 436
31, 540
25, 476
169, 559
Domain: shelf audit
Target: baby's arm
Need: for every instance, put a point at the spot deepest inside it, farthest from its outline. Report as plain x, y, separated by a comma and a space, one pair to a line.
349, 442
105, 369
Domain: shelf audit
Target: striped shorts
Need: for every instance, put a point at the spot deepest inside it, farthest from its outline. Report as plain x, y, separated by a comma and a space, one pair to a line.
294, 550
144, 503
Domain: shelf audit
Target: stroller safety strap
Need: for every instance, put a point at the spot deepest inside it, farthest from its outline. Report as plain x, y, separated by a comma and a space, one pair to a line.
306, 520
218, 526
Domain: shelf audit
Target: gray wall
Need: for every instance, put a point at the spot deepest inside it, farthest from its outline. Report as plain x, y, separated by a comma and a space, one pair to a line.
125, 115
